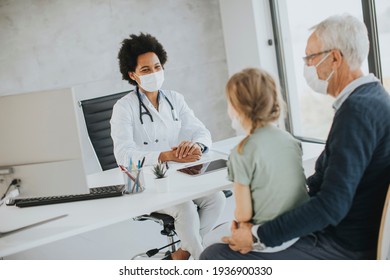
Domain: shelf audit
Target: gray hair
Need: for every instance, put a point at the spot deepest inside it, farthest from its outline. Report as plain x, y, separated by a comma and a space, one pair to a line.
347, 34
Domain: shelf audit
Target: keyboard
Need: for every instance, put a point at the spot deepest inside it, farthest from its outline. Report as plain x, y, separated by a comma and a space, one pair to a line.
94, 193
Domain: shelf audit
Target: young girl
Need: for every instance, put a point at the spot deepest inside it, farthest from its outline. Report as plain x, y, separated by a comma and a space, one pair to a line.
266, 166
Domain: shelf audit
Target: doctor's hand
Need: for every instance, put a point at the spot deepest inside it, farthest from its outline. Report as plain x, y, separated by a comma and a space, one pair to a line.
187, 148
171, 156
241, 239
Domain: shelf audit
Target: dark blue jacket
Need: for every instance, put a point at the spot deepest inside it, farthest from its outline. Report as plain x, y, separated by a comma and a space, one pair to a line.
351, 177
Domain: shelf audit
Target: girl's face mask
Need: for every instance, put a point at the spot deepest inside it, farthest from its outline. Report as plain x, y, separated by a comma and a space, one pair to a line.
236, 124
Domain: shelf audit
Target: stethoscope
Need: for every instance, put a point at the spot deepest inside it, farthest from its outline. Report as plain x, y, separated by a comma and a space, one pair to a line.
147, 112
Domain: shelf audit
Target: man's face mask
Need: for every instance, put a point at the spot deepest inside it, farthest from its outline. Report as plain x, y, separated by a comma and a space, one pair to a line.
312, 79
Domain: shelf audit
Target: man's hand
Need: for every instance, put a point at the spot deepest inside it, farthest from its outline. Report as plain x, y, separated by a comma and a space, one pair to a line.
187, 148
241, 239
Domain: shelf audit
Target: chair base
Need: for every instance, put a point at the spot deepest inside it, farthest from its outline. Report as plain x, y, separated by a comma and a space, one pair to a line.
158, 256
167, 222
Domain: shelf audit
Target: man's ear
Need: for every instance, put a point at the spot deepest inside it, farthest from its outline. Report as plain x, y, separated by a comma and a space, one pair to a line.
337, 58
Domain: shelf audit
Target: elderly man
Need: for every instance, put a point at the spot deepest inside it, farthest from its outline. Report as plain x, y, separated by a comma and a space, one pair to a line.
342, 218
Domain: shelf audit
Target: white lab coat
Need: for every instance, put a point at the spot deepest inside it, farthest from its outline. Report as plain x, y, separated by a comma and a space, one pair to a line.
132, 140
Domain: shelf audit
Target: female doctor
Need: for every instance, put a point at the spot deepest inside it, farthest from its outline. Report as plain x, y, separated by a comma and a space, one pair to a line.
158, 125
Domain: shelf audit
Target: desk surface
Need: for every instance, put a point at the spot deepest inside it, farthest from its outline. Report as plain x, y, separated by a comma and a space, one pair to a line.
89, 215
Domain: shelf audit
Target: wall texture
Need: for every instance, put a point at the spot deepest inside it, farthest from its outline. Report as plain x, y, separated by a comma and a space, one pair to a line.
46, 44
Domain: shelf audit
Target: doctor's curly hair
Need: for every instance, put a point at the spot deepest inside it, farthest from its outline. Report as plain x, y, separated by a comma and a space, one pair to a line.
135, 46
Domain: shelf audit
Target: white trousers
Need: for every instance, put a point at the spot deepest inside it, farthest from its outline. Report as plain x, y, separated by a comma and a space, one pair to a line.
193, 219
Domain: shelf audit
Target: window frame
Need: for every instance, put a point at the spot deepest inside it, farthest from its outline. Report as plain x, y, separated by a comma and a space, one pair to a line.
292, 124
370, 19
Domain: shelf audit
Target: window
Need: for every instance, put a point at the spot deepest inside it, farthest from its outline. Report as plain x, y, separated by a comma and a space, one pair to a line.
310, 113
383, 21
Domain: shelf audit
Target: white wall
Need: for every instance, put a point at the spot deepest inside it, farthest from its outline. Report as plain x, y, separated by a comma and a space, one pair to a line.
248, 36
56, 44
247, 29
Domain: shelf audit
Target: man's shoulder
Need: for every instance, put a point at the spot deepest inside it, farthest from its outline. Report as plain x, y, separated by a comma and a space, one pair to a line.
369, 98
368, 93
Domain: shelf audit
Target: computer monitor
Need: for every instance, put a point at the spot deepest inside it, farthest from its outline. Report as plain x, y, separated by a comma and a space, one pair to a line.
40, 141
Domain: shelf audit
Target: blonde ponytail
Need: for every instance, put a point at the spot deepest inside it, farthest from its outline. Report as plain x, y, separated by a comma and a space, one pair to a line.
253, 94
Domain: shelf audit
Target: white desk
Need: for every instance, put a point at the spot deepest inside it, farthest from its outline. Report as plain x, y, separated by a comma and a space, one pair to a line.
89, 215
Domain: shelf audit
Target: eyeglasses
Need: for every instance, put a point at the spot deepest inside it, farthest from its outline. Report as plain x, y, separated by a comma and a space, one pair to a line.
309, 57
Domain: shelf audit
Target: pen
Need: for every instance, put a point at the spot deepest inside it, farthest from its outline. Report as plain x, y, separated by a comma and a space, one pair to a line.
142, 162
124, 169
166, 165
139, 164
136, 183
130, 164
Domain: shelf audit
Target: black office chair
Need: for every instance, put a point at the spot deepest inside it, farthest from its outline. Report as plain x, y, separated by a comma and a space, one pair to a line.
97, 114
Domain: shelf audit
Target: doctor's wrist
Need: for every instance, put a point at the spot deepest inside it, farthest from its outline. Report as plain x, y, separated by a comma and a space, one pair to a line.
165, 156
202, 147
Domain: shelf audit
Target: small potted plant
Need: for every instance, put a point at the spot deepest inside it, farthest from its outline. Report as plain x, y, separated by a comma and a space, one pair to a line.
159, 170
161, 179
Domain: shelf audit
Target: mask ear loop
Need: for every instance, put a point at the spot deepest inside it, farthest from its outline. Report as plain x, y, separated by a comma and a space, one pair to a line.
135, 75
323, 59
330, 75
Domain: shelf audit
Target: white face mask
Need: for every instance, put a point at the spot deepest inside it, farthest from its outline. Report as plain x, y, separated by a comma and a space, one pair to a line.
312, 79
152, 82
236, 124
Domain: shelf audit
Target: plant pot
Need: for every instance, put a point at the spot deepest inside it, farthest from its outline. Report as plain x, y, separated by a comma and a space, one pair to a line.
161, 184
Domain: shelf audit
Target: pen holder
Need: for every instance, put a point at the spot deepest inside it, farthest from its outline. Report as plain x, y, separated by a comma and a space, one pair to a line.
134, 181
